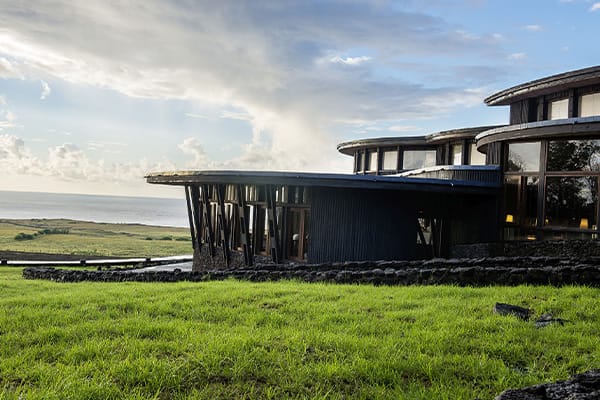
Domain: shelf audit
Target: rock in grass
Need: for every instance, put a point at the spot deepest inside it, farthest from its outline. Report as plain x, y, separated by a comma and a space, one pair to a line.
585, 386
548, 319
509, 309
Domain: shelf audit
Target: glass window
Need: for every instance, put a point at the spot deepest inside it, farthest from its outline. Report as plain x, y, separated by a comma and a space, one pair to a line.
390, 160
413, 159
571, 201
456, 154
523, 157
574, 155
558, 109
373, 161
360, 165
475, 157
589, 105
520, 200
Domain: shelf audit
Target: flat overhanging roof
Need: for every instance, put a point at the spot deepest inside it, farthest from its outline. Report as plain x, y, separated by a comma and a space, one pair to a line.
550, 84
184, 178
430, 140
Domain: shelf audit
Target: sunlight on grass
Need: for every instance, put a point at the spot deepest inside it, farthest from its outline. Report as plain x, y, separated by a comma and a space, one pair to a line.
235, 339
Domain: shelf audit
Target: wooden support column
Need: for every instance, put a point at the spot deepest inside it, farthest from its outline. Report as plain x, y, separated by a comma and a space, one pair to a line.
197, 207
190, 211
243, 221
208, 221
192, 196
273, 231
223, 226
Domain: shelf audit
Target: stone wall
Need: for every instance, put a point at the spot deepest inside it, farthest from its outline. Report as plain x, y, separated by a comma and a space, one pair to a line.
529, 248
462, 272
203, 261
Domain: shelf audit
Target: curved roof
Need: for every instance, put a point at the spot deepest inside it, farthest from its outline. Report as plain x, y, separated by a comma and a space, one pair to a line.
550, 84
426, 140
559, 128
183, 178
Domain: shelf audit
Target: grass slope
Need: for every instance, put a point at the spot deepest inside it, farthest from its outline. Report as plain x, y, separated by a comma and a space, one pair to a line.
94, 239
277, 340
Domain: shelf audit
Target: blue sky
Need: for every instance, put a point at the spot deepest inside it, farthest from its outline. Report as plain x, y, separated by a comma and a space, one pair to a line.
95, 94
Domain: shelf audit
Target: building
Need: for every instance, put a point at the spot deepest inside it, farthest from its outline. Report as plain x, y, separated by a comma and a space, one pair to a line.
416, 197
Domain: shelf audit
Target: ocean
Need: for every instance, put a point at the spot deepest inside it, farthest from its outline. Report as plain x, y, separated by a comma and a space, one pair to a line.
113, 209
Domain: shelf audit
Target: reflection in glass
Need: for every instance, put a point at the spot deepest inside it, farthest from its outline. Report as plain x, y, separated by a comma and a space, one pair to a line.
414, 159
523, 157
589, 105
456, 154
571, 201
558, 109
390, 160
476, 158
373, 161
574, 155
520, 206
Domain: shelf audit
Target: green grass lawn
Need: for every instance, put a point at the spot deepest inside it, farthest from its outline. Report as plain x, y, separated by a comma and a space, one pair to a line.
93, 239
276, 340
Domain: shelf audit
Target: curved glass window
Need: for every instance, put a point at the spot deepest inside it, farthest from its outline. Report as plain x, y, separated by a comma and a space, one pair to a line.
476, 158
574, 155
414, 159
558, 109
523, 157
571, 202
390, 160
589, 105
372, 161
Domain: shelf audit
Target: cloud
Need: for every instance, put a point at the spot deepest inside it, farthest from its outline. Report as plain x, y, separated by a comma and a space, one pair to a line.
45, 90
517, 56
9, 69
197, 116
7, 118
68, 163
258, 58
350, 60
192, 147
595, 7
534, 28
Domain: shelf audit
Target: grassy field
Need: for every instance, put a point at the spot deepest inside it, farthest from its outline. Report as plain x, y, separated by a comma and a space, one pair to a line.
278, 340
63, 236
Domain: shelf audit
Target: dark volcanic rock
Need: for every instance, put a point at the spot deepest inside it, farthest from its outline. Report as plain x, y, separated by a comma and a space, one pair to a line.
584, 386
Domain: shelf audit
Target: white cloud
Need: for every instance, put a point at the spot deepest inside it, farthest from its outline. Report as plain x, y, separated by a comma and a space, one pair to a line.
192, 147
595, 7
350, 60
534, 28
260, 59
7, 119
517, 56
9, 69
197, 116
45, 90
242, 116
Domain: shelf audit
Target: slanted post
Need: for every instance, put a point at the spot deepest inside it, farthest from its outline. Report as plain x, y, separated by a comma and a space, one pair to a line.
192, 197
273, 231
243, 221
208, 221
223, 223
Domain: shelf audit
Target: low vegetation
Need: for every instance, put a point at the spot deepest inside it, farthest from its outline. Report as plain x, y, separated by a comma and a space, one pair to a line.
62, 236
276, 340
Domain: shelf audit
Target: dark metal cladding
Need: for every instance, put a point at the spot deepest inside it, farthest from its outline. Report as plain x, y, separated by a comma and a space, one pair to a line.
350, 224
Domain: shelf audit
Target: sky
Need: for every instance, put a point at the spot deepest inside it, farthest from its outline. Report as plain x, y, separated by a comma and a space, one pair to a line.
96, 94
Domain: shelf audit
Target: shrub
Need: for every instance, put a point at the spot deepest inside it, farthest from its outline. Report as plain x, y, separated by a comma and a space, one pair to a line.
183, 239
166, 238
25, 236
53, 231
